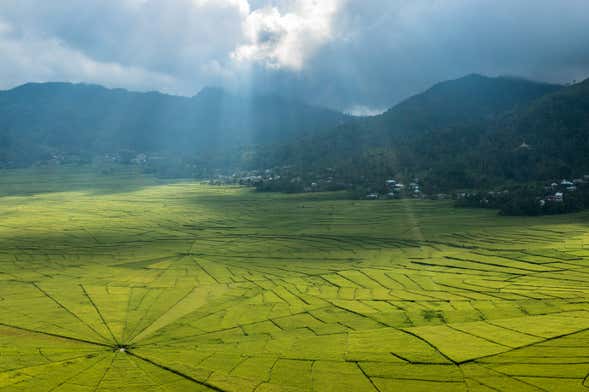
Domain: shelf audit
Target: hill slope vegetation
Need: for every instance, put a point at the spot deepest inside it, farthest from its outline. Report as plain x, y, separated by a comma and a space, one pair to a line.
471, 132
36, 119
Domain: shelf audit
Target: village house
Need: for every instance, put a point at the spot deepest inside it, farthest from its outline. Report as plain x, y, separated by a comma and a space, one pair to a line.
140, 159
524, 146
558, 197
414, 187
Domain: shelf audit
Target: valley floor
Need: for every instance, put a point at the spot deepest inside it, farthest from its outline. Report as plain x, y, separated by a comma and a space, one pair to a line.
122, 282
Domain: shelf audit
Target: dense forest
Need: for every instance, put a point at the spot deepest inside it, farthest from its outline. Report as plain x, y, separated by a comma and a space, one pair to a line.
475, 132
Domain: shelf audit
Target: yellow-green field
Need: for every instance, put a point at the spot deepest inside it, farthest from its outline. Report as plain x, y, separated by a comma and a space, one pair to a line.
123, 283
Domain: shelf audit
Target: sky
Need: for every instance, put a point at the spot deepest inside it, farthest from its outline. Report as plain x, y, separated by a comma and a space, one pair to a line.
357, 56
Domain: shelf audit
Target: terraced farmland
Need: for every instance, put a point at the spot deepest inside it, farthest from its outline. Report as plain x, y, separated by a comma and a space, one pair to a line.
125, 283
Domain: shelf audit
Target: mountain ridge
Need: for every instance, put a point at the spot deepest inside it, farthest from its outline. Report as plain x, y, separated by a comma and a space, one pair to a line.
458, 133
452, 147
39, 117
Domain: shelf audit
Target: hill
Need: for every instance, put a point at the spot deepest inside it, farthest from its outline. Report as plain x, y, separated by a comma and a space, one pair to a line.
458, 134
546, 139
39, 119
557, 126
467, 100
472, 132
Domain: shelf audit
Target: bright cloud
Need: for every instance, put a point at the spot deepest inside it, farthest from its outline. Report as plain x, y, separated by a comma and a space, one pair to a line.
286, 39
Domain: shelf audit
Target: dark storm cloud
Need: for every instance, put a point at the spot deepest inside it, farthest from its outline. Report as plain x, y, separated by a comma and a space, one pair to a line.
387, 50
354, 55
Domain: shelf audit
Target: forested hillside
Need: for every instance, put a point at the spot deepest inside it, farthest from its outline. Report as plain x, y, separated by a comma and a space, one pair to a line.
38, 120
468, 133
472, 132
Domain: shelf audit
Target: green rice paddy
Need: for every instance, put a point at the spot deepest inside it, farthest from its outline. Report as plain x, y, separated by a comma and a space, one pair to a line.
126, 283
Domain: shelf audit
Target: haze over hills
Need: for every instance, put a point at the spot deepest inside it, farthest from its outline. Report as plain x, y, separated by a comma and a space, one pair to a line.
471, 100
459, 133
36, 119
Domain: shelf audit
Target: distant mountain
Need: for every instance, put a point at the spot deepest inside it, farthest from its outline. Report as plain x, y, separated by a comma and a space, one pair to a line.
470, 101
467, 100
80, 118
475, 131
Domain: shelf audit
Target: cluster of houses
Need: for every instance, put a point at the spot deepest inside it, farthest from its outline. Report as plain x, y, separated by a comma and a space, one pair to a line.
555, 191
281, 178
57, 159
551, 194
395, 189
319, 182
130, 157
244, 178
247, 179
122, 157
324, 180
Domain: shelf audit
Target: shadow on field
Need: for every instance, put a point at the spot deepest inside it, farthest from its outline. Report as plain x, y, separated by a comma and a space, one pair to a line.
87, 179
239, 222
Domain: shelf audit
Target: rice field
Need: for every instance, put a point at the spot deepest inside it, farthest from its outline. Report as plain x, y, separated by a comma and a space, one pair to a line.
122, 282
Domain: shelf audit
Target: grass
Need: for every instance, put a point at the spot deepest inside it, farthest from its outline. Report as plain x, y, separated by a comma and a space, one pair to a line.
124, 282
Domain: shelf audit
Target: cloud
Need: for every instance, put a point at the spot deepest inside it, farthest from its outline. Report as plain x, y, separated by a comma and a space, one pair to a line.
287, 39
360, 110
355, 55
387, 50
183, 44
33, 58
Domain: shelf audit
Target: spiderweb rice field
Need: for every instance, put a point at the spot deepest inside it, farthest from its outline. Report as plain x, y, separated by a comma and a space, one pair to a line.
127, 283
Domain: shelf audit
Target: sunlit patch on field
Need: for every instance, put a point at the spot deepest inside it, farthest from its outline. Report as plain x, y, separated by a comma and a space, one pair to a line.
124, 283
